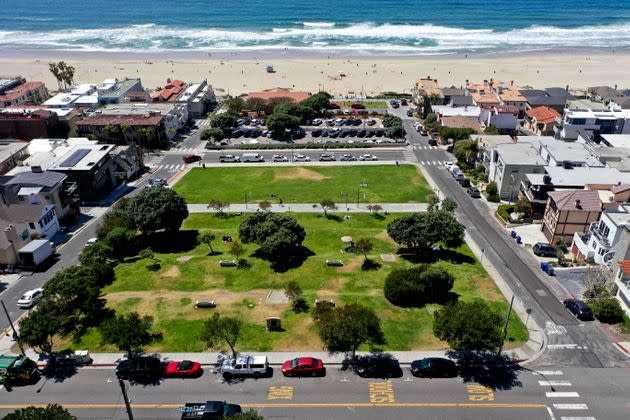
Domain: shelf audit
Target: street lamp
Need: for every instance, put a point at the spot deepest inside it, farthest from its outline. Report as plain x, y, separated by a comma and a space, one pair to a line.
363, 184
247, 195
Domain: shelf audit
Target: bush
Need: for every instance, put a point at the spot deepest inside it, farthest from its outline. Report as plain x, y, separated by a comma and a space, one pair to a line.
417, 286
504, 211
492, 189
493, 198
607, 310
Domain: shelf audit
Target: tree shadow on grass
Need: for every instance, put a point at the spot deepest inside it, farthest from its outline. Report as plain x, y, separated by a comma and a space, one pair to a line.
370, 265
288, 260
171, 242
487, 369
214, 253
334, 218
431, 256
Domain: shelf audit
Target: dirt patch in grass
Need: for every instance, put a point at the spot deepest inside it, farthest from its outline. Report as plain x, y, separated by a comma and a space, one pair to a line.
260, 313
299, 173
171, 272
486, 288
333, 285
351, 266
301, 337
383, 236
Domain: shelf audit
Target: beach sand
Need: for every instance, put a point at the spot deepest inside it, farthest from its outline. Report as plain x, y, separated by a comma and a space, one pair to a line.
363, 75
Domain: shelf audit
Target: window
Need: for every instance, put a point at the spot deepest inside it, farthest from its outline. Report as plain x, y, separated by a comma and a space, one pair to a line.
602, 251
577, 121
31, 225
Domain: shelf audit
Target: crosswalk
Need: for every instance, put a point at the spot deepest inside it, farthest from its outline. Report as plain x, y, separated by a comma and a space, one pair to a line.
559, 396
432, 162
419, 147
170, 168
152, 160
191, 150
203, 123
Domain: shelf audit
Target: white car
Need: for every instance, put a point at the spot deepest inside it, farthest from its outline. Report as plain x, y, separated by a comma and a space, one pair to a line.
91, 241
30, 298
317, 121
301, 158
368, 157
449, 165
280, 158
245, 365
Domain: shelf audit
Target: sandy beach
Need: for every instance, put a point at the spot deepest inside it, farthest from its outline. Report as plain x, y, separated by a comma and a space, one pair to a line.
363, 75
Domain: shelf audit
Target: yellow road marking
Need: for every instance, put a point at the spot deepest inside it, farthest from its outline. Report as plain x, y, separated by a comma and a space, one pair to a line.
381, 392
280, 393
295, 405
479, 393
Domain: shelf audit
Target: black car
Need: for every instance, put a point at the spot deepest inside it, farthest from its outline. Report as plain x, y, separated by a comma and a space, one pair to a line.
432, 142
356, 122
409, 113
325, 133
353, 132
369, 133
139, 368
579, 309
237, 133
544, 250
334, 134
317, 132
434, 367
378, 367
464, 182
361, 133
403, 102
450, 148
343, 133
380, 132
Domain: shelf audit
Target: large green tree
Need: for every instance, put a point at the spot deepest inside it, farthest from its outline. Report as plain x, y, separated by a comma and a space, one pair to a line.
225, 121
417, 286
41, 325
347, 327
280, 123
122, 242
157, 208
469, 326
466, 152
50, 412
220, 329
317, 102
422, 230
277, 234
128, 332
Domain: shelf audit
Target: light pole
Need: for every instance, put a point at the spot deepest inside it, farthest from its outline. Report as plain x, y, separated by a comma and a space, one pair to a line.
247, 194
126, 398
505, 326
15, 334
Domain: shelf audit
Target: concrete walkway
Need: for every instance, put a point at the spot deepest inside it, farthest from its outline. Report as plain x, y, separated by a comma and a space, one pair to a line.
313, 208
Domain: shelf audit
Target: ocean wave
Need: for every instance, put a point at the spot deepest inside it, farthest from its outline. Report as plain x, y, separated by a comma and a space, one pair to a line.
418, 39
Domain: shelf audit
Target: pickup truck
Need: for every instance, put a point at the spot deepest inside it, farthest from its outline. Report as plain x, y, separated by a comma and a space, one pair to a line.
210, 410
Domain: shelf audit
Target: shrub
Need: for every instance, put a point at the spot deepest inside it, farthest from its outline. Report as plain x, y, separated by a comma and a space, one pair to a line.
607, 310
493, 198
504, 211
417, 286
492, 189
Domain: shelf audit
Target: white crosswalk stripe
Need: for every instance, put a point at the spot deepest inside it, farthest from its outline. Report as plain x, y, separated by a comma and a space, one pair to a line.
548, 372
576, 418
552, 329
570, 406
554, 394
554, 383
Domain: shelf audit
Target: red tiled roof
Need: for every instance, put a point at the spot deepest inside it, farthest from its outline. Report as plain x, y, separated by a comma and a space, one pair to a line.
19, 91
142, 120
170, 92
620, 188
576, 200
37, 114
501, 109
280, 93
625, 267
543, 114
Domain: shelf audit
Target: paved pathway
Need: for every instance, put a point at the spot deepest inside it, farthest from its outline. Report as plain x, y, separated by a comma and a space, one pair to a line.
311, 208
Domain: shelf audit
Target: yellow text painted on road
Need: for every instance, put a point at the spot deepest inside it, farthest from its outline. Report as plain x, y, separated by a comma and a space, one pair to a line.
280, 393
479, 393
382, 392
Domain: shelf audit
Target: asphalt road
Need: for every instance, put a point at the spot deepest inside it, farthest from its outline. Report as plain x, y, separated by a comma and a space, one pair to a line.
94, 393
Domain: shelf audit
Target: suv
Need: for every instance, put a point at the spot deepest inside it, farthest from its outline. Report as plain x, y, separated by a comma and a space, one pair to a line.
210, 410
139, 368
579, 309
245, 365
191, 158
301, 158
229, 158
464, 182
473, 192
544, 250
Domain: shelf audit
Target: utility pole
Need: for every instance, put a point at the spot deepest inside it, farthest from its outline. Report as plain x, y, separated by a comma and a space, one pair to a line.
15, 334
126, 398
505, 327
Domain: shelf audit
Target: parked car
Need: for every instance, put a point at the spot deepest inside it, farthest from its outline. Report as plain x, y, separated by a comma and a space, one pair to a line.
361, 133
409, 113
301, 158
464, 182
91, 242
432, 142
371, 122
303, 366
157, 182
191, 158
378, 367
245, 365
326, 157
76, 358
473, 192
450, 148
316, 132
357, 122
143, 368
333, 105
280, 158
579, 309
403, 102
544, 250
253, 157
434, 367
30, 298
347, 158
368, 157
316, 121
395, 104
209, 410
183, 369
229, 158
357, 106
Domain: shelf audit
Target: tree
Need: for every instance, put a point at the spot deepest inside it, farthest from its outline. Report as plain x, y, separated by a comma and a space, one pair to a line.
426, 105
248, 415
277, 234
256, 105
466, 152
607, 310
433, 202
364, 246
523, 206
63, 73
327, 205
596, 281
236, 104
220, 329
491, 129
448, 204
146, 254
396, 132
347, 327
50, 412
112, 133
297, 110
218, 206
317, 102
158, 208
491, 188
417, 286
98, 253
390, 120
207, 238
128, 332
374, 208
40, 326
118, 217
471, 326
422, 230
237, 249
265, 205
280, 123
214, 134
122, 242
431, 122
225, 121
293, 290
455, 134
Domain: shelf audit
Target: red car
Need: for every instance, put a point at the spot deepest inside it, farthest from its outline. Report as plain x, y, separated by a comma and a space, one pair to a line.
303, 366
333, 105
357, 106
183, 369
191, 158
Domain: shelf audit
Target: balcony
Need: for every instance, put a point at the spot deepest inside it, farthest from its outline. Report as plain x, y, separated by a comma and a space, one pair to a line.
601, 238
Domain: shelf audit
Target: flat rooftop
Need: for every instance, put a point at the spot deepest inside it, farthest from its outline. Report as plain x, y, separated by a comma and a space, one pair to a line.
10, 148
121, 88
81, 157
520, 153
574, 152
578, 177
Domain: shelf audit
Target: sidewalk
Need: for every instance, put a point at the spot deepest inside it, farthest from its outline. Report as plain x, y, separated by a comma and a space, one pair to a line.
313, 208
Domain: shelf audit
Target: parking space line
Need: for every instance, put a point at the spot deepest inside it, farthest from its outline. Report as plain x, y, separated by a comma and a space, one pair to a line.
548, 372
554, 383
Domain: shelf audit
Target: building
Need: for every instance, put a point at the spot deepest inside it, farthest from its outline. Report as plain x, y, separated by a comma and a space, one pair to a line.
483, 93
113, 91
10, 82
509, 95
175, 114
427, 87
148, 131
603, 93
443, 111
80, 96
622, 285
569, 212
27, 93
449, 93
12, 153
509, 164
197, 98
606, 121
567, 155
67, 116
29, 125
597, 244
622, 102
554, 98
170, 92
293, 96
503, 117
541, 120
129, 162
90, 166
458, 121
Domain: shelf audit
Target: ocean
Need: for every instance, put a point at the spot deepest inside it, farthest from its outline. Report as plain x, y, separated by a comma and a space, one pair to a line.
366, 27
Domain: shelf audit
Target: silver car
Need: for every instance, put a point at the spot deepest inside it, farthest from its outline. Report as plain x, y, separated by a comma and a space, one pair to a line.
301, 158
280, 158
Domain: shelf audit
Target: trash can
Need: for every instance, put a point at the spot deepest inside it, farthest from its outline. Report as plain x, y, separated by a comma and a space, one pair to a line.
513, 234
519, 240
544, 266
550, 270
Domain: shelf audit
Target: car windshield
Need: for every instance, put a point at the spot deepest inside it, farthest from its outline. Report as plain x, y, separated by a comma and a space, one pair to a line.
25, 297
294, 363
185, 365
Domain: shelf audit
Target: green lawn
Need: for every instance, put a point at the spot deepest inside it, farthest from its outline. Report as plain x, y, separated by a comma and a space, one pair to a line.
312, 184
169, 293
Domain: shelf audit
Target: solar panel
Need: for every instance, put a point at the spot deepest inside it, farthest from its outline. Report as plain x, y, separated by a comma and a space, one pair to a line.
75, 157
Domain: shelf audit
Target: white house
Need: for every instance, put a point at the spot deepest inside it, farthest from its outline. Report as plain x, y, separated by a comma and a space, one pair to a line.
608, 121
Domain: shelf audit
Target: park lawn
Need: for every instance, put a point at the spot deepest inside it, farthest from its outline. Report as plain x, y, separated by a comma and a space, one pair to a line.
185, 276
305, 184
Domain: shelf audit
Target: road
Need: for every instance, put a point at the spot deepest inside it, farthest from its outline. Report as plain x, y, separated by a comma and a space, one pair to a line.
94, 393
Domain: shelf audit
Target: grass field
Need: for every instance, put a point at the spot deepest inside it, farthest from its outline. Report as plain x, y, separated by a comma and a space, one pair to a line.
193, 273
312, 184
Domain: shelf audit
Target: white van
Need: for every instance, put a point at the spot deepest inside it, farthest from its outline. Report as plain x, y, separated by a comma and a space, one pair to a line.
252, 157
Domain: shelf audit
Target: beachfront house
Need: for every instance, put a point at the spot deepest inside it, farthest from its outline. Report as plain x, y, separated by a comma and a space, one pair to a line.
611, 120
175, 114
503, 117
197, 98
148, 131
554, 98
26, 93
170, 92
541, 120
427, 87
114, 91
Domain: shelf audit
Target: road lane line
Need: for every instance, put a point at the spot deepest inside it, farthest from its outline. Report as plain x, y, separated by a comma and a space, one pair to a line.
577, 418
293, 405
548, 372
554, 383
551, 413
562, 346
570, 406
562, 394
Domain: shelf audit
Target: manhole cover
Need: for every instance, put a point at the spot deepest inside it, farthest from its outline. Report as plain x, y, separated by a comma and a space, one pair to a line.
541, 292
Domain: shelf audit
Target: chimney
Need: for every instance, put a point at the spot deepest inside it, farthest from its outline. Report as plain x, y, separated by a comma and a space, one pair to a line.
36, 169
511, 82
577, 204
567, 88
